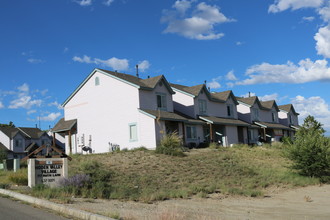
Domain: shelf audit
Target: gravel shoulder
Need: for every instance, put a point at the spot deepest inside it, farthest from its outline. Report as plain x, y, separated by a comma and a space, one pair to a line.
310, 202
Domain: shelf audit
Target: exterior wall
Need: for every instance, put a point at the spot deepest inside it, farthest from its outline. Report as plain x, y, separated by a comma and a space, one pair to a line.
5, 140
184, 103
16, 149
148, 99
232, 136
266, 115
199, 135
147, 131
244, 113
101, 119
283, 118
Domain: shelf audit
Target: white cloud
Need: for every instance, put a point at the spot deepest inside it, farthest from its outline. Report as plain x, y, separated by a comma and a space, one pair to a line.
325, 13
65, 49
50, 117
315, 106
108, 2
84, 2
239, 43
24, 88
35, 61
200, 25
309, 19
214, 84
56, 104
323, 41
282, 5
144, 65
24, 102
305, 71
1, 105
114, 63
269, 97
231, 76
31, 112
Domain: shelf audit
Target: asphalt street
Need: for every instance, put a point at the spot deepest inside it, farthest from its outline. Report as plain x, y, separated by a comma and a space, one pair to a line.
16, 210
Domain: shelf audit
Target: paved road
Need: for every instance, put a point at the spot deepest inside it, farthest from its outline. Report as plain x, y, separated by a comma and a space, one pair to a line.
15, 210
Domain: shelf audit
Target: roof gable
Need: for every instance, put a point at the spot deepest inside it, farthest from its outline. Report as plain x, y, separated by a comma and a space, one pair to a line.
192, 91
268, 105
145, 84
224, 96
287, 108
249, 101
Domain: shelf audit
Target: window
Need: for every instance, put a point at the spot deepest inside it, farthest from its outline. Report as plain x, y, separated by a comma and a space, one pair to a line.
255, 113
202, 107
44, 142
291, 119
19, 143
161, 101
191, 132
133, 132
97, 81
230, 112
273, 117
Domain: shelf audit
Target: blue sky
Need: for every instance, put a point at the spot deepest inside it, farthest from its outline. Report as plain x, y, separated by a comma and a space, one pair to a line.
276, 49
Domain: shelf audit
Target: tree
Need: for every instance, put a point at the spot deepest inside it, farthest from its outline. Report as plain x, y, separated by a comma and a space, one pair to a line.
310, 151
10, 124
3, 155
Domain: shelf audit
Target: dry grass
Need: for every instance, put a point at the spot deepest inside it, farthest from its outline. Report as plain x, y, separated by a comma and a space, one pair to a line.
146, 176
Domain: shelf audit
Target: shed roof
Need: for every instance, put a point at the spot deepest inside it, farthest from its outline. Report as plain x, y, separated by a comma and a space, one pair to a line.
272, 125
63, 125
224, 121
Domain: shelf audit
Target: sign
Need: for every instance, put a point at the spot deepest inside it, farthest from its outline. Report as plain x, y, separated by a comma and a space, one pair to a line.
47, 171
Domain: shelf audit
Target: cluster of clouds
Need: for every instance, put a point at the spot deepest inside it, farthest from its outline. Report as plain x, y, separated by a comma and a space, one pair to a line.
114, 63
90, 2
194, 21
22, 98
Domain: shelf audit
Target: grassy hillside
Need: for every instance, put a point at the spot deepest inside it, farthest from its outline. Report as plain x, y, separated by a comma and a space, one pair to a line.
146, 176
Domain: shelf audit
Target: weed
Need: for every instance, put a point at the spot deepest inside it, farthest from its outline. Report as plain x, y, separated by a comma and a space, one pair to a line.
20, 177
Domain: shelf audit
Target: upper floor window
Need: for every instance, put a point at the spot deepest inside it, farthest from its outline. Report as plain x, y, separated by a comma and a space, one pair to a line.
255, 114
97, 81
230, 111
291, 119
202, 106
161, 101
273, 117
19, 143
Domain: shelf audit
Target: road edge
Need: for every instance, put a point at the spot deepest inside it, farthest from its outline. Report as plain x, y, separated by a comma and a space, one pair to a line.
77, 213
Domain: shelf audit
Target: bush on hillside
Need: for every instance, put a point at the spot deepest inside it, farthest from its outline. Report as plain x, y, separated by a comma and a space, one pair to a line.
310, 151
171, 144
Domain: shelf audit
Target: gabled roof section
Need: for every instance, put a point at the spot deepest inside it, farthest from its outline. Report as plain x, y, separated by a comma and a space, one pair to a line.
63, 125
3, 147
271, 125
224, 121
145, 84
192, 91
224, 96
34, 133
287, 108
249, 101
9, 131
269, 105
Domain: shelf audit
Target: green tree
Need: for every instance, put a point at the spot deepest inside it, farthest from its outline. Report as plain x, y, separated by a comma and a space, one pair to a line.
310, 151
10, 124
3, 155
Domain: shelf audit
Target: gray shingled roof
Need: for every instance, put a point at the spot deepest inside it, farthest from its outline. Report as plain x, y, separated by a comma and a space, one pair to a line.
63, 125
148, 83
224, 96
224, 121
193, 90
287, 108
3, 147
171, 116
34, 133
9, 131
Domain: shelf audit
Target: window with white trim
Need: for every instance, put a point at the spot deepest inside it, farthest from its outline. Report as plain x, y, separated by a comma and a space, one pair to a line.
161, 101
202, 107
191, 132
19, 143
133, 132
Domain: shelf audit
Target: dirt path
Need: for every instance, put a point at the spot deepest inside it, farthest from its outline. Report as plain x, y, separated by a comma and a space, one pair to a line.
306, 203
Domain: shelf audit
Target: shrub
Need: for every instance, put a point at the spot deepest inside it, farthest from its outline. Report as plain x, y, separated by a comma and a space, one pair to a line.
171, 144
3, 155
310, 151
20, 177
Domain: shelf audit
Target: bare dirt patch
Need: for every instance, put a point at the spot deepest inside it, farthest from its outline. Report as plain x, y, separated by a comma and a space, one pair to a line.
310, 202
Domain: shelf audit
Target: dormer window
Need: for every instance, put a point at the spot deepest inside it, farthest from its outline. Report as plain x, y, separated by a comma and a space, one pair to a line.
230, 111
202, 107
255, 114
97, 81
273, 117
161, 101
